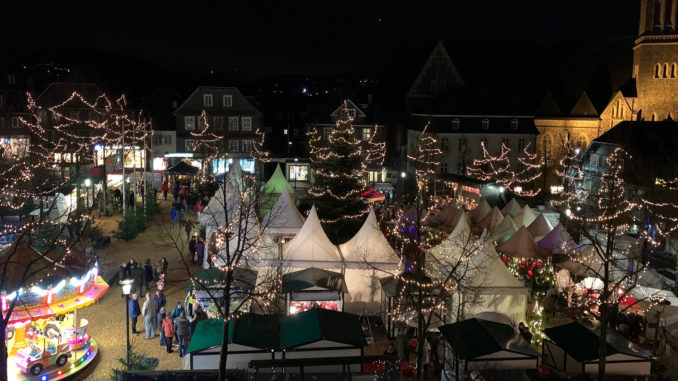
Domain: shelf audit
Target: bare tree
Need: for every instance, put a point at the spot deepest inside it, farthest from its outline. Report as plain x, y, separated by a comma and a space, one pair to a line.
603, 219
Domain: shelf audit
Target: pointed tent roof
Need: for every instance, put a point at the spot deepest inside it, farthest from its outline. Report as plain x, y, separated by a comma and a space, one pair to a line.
277, 182
489, 222
311, 243
520, 245
511, 209
284, 217
587, 263
480, 211
449, 215
525, 217
369, 244
182, 168
504, 230
540, 226
554, 240
584, 106
213, 213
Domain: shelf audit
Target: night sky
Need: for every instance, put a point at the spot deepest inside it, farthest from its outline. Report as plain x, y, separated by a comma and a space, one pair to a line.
262, 39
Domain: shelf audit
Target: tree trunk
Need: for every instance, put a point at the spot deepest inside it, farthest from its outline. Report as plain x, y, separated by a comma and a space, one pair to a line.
223, 353
602, 347
421, 336
3, 351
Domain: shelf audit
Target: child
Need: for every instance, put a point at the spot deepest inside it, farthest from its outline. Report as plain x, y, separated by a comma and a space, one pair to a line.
161, 282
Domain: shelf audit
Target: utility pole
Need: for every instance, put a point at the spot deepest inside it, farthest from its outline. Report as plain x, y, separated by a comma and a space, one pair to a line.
122, 164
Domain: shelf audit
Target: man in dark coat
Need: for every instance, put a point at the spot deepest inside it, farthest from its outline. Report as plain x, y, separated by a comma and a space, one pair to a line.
148, 273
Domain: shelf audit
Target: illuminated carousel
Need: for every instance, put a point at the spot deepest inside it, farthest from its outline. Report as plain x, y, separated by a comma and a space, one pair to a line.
45, 339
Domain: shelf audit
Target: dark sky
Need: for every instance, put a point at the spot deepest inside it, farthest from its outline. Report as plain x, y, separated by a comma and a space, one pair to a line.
263, 39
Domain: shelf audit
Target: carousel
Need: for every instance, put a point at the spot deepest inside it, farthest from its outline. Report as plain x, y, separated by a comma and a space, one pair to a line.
44, 337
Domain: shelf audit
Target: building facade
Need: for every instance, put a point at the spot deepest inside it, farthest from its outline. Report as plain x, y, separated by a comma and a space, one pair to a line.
228, 112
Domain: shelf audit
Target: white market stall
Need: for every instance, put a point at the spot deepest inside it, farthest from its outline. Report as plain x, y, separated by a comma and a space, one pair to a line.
311, 247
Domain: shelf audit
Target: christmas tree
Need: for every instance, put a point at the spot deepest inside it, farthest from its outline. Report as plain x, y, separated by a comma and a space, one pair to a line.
339, 163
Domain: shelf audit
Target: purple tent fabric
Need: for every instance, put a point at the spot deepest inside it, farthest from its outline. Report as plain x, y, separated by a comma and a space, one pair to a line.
554, 240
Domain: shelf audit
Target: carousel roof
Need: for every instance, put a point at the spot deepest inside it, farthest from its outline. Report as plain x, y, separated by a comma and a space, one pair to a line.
284, 217
369, 244
520, 245
277, 182
311, 243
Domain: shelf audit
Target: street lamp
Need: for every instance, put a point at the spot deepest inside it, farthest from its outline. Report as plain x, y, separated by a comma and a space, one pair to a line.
402, 184
87, 184
126, 290
296, 174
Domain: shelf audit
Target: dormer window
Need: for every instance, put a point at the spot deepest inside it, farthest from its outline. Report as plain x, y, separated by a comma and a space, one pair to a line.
455, 124
351, 113
485, 124
514, 124
207, 100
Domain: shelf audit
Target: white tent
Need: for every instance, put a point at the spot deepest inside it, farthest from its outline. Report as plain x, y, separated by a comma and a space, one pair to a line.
284, 218
480, 211
367, 257
504, 230
520, 245
448, 216
540, 226
368, 245
525, 217
485, 283
511, 209
489, 222
554, 240
311, 247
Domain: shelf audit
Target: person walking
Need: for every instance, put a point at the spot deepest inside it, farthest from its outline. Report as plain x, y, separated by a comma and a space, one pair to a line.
159, 318
177, 311
191, 248
168, 330
188, 226
138, 275
182, 330
149, 310
134, 312
148, 273
160, 300
173, 215
198, 208
200, 251
130, 200
180, 215
164, 188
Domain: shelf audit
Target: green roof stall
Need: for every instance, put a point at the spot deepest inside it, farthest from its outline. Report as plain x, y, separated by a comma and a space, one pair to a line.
314, 287
311, 334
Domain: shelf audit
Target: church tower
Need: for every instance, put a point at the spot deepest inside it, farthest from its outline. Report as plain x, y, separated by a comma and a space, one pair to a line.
655, 60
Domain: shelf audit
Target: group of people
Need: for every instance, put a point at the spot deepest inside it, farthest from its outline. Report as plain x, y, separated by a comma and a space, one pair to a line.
177, 323
144, 274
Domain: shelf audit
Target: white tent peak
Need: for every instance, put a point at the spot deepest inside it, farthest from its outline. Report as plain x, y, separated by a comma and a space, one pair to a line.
525, 217
511, 209
489, 222
480, 211
284, 217
505, 229
540, 226
369, 244
520, 245
311, 243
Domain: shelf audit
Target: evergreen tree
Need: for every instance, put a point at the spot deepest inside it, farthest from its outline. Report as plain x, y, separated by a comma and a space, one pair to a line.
340, 164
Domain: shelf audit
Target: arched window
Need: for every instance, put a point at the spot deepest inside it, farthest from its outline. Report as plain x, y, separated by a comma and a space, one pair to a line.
614, 111
674, 70
653, 117
666, 71
657, 70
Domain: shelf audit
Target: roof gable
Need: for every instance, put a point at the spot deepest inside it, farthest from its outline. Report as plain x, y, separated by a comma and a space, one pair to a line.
193, 104
584, 106
437, 76
359, 115
548, 106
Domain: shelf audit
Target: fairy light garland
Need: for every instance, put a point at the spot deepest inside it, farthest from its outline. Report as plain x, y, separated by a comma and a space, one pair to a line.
498, 169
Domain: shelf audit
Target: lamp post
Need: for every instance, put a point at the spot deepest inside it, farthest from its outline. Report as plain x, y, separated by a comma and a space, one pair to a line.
126, 290
87, 184
296, 174
402, 184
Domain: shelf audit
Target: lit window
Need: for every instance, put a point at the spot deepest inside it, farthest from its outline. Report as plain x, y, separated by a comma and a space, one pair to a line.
247, 123
234, 145
455, 124
189, 144
367, 134
189, 123
298, 172
228, 101
207, 100
556, 189
233, 123
486, 124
